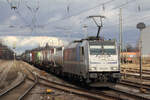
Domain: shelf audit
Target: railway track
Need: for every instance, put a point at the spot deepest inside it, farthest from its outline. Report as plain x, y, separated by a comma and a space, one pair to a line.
31, 79
130, 91
24, 90
131, 72
113, 94
22, 79
20, 89
136, 75
32, 86
76, 90
136, 70
135, 84
126, 90
72, 89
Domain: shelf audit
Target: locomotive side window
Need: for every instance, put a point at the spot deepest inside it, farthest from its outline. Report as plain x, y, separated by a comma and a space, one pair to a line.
83, 51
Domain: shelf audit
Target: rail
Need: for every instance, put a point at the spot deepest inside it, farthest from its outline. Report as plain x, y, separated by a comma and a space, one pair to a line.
31, 87
14, 86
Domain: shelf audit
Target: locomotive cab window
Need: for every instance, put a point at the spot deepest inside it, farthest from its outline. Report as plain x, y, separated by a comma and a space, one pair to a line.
82, 51
108, 49
95, 50
102, 50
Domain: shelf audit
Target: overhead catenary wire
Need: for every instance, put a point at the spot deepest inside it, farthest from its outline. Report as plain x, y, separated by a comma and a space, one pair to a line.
69, 11
18, 3
84, 11
81, 12
102, 4
33, 24
123, 5
129, 20
33, 11
22, 18
14, 4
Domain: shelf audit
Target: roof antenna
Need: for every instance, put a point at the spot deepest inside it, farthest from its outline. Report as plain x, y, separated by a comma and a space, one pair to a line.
99, 24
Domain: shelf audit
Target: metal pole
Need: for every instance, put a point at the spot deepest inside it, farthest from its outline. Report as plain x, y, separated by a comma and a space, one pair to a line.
120, 36
85, 29
140, 26
140, 54
120, 28
14, 47
14, 55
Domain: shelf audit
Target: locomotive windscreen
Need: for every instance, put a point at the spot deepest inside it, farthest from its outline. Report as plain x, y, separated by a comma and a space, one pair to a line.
110, 49
102, 48
95, 50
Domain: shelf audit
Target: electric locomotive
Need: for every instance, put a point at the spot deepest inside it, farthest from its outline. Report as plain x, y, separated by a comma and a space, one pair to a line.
92, 60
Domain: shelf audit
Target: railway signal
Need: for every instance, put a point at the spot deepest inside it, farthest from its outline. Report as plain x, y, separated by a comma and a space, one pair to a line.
140, 26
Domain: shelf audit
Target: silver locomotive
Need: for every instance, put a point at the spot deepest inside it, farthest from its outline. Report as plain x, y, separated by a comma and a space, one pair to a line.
90, 60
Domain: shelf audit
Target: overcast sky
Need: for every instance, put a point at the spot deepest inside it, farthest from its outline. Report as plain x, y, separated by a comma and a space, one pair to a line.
64, 19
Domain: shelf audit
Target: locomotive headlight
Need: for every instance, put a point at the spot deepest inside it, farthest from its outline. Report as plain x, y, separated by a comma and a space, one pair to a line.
114, 68
93, 68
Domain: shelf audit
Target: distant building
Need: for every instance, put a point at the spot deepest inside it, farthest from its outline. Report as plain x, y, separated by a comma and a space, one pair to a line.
5, 52
129, 57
